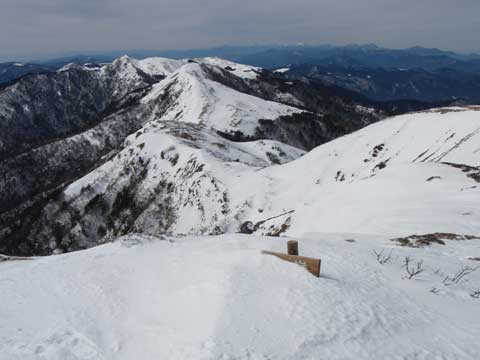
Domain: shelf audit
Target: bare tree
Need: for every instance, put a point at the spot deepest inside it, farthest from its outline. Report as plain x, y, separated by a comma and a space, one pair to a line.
459, 275
381, 258
412, 270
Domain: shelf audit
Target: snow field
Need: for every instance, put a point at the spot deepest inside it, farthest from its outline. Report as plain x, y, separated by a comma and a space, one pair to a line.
219, 298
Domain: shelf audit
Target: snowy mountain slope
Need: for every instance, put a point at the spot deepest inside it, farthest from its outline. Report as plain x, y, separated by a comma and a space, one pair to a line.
131, 71
220, 94
43, 108
60, 126
56, 127
219, 298
169, 177
179, 178
396, 175
163, 178
194, 98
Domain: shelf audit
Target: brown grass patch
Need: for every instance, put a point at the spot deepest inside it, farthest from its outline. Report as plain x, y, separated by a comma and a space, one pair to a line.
418, 241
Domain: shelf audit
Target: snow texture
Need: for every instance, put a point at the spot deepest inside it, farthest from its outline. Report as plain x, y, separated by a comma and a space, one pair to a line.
220, 298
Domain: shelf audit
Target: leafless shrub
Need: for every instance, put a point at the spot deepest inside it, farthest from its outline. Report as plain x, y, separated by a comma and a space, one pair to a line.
459, 275
412, 270
434, 290
381, 258
475, 294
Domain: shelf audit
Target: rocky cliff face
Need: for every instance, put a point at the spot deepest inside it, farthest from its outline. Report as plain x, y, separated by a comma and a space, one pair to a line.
58, 128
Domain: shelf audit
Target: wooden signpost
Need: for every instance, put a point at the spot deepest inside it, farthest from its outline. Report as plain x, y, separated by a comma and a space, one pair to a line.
292, 247
311, 264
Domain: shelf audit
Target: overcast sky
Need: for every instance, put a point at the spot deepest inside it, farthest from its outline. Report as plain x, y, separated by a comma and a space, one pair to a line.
31, 27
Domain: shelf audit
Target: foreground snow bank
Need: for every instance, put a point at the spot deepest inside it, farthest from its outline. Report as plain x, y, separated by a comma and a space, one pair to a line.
219, 298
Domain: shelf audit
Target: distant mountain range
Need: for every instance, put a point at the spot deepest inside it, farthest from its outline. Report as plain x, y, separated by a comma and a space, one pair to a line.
417, 73
271, 57
11, 71
383, 84
370, 56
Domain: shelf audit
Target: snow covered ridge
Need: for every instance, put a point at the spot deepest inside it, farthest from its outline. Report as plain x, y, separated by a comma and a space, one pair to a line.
159, 66
170, 177
165, 66
240, 70
195, 98
398, 175
151, 66
220, 298
413, 174
89, 110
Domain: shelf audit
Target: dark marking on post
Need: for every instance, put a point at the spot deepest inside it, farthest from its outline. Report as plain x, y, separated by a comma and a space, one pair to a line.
292, 247
312, 265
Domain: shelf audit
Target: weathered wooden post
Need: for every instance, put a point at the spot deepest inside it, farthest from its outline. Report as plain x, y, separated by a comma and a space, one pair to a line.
292, 247
311, 264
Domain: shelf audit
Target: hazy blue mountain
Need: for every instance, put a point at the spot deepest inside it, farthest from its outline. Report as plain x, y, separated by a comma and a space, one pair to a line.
370, 56
272, 56
394, 84
416, 73
11, 71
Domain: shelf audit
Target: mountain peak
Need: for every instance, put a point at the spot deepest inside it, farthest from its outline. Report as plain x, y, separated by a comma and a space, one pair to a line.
240, 70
